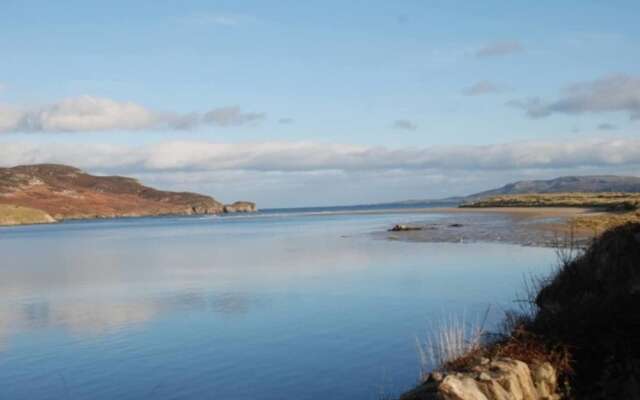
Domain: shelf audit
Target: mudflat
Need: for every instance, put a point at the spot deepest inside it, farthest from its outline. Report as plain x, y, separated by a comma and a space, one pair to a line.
532, 226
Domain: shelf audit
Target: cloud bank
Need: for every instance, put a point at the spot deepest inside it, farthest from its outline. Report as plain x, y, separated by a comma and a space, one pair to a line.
312, 156
96, 114
613, 93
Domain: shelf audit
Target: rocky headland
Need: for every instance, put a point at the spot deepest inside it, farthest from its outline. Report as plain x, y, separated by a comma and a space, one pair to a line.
46, 193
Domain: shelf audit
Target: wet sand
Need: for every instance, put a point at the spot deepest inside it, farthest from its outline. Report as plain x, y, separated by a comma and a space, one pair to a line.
521, 225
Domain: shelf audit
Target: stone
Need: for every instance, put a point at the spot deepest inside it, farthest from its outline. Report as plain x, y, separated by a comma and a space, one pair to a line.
500, 379
240, 207
404, 228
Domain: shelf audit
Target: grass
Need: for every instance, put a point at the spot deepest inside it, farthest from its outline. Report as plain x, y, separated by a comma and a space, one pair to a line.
450, 340
601, 222
17, 215
606, 201
615, 208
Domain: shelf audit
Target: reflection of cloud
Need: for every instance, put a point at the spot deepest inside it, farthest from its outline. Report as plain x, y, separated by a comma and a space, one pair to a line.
231, 303
6, 325
99, 318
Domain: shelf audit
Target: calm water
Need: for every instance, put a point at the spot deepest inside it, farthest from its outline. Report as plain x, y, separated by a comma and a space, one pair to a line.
285, 305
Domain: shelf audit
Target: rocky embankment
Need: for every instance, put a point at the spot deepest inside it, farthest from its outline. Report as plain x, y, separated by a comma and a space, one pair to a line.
581, 340
50, 192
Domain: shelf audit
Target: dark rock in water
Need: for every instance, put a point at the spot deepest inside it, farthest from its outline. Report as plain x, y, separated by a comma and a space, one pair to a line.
404, 228
455, 225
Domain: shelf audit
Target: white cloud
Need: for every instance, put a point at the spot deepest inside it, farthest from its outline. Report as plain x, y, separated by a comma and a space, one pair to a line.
92, 114
219, 19
231, 116
605, 126
86, 113
405, 124
500, 49
613, 93
286, 121
483, 87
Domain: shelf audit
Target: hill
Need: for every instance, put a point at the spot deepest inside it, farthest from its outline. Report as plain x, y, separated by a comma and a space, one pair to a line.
567, 184
62, 192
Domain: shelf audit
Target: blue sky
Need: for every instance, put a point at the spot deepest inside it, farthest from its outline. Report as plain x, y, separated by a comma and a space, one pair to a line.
359, 80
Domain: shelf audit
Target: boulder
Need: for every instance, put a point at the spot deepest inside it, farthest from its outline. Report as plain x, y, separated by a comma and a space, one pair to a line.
404, 228
500, 379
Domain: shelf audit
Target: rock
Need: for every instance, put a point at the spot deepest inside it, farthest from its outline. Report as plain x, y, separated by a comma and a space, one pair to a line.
404, 228
240, 206
500, 379
483, 376
455, 225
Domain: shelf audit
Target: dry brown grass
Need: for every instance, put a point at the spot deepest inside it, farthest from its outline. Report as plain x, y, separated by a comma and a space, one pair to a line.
599, 223
619, 201
16, 215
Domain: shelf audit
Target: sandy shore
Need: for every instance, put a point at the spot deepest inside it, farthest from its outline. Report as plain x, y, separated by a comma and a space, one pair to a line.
518, 225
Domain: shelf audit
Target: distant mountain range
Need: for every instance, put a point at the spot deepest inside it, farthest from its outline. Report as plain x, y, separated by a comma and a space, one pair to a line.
565, 184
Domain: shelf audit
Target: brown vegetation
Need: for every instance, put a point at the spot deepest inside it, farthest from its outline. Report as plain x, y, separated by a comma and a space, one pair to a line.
604, 201
68, 193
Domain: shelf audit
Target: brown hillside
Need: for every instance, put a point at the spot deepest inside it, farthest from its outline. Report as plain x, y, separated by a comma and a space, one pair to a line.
68, 193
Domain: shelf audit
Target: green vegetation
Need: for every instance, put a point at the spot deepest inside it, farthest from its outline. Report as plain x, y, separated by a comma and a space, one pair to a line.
16, 215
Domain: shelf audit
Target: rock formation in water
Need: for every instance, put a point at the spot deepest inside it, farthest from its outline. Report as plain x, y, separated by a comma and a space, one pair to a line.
59, 192
240, 206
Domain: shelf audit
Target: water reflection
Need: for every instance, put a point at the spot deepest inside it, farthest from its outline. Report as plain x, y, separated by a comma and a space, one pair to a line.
84, 317
243, 309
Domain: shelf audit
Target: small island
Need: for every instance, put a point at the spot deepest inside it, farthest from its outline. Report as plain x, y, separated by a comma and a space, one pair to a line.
48, 193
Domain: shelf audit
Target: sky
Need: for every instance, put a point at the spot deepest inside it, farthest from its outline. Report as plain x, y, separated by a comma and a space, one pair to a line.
291, 103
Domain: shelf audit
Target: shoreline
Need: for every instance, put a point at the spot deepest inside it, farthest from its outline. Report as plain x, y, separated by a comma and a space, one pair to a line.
528, 226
